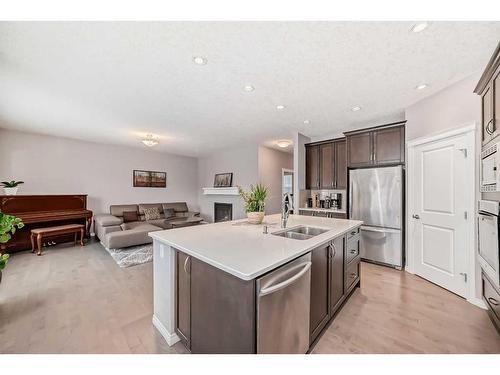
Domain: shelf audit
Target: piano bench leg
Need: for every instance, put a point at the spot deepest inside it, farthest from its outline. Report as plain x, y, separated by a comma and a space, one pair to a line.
32, 236
82, 233
39, 243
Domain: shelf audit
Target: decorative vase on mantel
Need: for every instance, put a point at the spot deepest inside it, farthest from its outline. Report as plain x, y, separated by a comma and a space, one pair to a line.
255, 217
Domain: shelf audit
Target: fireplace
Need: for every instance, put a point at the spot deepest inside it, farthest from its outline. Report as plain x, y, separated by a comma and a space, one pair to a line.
223, 212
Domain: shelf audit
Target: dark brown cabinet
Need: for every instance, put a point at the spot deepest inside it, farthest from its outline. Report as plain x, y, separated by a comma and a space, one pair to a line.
336, 274
183, 315
320, 279
326, 166
378, 146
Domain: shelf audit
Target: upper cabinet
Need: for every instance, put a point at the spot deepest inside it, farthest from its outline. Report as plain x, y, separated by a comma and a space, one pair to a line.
326, 165
488, 88
384, 145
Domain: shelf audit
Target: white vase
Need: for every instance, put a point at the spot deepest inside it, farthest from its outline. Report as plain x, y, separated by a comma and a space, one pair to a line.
10, 191
255, 217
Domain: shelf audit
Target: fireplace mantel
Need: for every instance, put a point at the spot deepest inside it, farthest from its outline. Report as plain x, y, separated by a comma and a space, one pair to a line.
220, 191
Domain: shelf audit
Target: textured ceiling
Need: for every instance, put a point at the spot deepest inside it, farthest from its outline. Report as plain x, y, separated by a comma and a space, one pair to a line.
113, 82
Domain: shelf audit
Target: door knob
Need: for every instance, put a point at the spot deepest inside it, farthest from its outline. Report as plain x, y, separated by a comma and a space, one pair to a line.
415, 216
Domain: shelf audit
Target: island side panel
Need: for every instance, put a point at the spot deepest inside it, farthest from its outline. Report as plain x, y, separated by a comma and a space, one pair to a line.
164, 263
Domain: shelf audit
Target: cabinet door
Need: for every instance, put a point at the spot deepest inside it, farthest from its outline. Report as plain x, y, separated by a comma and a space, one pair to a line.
336, 274
495, 127
340, 165
326, 171
359, 150
312, 167
388, 146
487, 114
320, 309
183, 318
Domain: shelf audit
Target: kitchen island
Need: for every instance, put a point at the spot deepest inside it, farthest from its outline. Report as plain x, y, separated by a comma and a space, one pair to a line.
232, 288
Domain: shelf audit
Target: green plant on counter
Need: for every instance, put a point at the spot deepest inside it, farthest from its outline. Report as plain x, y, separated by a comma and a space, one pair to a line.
4, 258
255, 199
11, 184
8, 226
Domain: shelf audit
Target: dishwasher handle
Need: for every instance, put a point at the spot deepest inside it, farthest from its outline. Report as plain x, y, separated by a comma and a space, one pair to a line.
274, 288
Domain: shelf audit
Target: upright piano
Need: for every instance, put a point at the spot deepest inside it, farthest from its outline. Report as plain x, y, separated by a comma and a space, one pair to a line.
37, 211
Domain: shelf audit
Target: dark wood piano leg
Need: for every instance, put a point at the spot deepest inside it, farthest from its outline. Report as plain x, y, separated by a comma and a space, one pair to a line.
81, 237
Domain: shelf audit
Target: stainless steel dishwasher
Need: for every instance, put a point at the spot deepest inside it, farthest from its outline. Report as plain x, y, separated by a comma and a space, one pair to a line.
283, 300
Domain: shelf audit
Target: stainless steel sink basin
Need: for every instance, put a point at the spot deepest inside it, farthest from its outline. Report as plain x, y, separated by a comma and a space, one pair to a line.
300, 233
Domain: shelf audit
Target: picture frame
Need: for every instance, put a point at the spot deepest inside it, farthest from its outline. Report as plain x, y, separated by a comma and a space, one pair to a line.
151, 179
223, 180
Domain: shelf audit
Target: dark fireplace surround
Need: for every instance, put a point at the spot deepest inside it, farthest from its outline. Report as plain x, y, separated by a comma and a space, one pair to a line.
223, 212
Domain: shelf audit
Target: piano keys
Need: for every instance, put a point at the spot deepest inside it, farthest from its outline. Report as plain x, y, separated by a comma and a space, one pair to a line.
37, 211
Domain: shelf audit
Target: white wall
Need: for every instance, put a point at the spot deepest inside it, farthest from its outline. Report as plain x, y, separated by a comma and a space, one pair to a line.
271, 163
299, 166
53, 165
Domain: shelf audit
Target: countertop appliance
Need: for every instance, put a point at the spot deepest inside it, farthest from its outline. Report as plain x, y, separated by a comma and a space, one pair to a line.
490, 165
489, 254
283, 308
336, 199
376, 198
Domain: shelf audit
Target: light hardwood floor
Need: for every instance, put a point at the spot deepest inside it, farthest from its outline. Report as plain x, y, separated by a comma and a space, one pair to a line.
74, 300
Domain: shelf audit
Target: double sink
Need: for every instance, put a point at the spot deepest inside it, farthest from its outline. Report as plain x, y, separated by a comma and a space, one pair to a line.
301, 232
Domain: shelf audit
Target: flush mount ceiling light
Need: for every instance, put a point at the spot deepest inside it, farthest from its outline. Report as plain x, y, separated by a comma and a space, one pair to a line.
418, 27
356, 109
284, 143
199, 60
248, 88
421, 86
307, 122
150, 140
280, 107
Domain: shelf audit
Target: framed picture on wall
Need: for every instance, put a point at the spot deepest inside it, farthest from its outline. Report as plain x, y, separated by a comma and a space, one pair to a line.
223, 180
150, 179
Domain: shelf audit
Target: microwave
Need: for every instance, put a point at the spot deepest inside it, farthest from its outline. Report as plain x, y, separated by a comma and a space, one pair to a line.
488, 230
490, 163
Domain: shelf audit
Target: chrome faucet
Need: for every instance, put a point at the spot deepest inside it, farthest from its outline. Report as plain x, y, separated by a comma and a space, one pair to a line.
286, 205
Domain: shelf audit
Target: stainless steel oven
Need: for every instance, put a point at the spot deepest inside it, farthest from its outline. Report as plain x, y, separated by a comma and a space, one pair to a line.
489, 254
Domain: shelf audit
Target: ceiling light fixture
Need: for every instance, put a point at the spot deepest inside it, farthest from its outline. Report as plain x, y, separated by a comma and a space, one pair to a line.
356, 109
307, 122
280, 107
284, 143
418, 27
150, 140
248, 88
199, 60
421, 86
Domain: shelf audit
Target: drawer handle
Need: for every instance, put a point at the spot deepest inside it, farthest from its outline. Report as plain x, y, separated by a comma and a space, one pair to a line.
493, 301
353, 251
353, 233
185, 265
353, 275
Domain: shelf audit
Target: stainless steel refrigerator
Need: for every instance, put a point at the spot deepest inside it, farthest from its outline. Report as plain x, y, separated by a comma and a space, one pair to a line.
376, 198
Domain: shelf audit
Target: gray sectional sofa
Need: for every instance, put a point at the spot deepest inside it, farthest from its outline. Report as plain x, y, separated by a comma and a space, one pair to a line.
115, 230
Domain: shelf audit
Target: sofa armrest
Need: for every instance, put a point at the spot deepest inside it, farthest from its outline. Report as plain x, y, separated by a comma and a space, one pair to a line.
193, 213
107, 220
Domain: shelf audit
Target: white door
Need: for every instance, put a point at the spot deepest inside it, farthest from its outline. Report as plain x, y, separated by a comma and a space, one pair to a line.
440, 177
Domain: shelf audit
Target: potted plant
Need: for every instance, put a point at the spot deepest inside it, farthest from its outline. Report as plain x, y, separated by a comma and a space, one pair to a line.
8, 226
255, 202
10, 187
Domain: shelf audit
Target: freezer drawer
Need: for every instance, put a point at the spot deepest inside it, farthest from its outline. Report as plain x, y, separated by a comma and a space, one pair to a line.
382, 245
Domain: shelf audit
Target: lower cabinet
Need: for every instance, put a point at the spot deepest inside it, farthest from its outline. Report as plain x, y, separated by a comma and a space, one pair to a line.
337, 274
492, 298
183, 298
320, 292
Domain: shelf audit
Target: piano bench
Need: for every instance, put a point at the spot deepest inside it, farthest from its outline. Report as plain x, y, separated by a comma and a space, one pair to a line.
41, 233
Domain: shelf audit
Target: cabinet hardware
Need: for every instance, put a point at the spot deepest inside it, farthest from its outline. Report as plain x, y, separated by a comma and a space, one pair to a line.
353, 233
493, 301
464, 151
185, 265
353, 274
488, 127
415, 216
466, 215
353, 251
464, 275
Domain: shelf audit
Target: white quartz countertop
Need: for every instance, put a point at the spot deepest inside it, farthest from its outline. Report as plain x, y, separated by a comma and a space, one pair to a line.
333, 210
243, 250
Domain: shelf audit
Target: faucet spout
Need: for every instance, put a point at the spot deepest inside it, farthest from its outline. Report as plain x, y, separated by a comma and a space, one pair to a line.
285, 209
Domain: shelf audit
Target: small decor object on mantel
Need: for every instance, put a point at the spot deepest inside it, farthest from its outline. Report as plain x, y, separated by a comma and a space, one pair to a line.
255, 202
223, 180
10, 187
150, 179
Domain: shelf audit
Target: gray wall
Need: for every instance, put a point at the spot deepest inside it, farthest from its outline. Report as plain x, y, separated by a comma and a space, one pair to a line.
53, 165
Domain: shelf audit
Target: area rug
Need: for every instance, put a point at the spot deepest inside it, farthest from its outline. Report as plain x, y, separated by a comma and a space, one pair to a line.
132, 256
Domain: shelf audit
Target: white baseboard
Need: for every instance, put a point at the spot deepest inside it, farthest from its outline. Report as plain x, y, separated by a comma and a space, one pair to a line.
170, 338
478, 302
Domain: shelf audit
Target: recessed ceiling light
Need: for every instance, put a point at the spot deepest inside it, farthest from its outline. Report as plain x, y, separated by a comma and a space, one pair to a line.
284, 143
248, 88
280, 107
150, 140
418, 27
200, 60
307, 122
421, 86
356, 109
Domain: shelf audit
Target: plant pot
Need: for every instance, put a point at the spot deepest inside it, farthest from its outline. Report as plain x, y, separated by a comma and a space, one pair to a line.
10, 191
255, 217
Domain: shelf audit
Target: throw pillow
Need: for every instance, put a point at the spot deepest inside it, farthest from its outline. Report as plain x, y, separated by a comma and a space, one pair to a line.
129, 216
152, 213
169, 212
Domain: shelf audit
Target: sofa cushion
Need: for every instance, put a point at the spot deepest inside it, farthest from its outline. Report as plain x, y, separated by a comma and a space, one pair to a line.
129, 216
133, 225
118, 209
162, 223
169, 212
137, 236
144, 206
105, 220
152, 213
177, 206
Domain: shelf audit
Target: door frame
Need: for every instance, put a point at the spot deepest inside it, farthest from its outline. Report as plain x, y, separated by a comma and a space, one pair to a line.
470, 132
